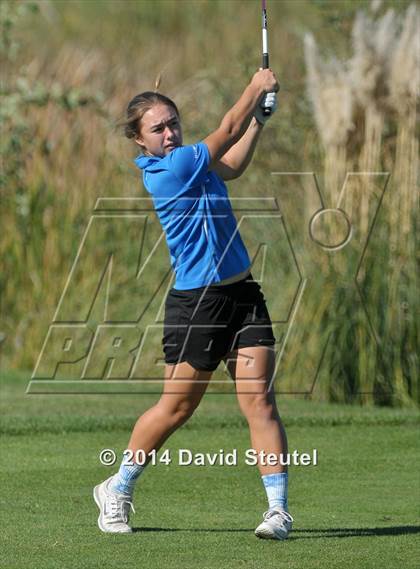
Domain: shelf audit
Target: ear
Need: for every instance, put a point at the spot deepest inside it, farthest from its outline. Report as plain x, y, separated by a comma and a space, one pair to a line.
139, 141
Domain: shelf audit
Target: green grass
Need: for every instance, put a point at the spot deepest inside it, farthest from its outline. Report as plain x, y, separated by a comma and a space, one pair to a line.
357, 508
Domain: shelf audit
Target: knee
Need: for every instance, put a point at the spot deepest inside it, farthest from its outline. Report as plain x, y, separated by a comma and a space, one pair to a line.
259, 407
183, 412
180, 411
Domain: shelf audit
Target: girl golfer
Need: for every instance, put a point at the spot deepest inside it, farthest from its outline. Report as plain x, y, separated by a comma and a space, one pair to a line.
215, 311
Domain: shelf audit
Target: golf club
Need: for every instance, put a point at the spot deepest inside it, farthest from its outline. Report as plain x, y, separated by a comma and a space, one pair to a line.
265, 57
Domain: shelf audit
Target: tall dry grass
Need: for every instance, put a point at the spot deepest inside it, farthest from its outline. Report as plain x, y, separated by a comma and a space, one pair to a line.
358, 104
61, 155
80, 64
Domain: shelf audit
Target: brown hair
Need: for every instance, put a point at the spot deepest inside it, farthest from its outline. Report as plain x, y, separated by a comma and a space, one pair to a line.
138, 106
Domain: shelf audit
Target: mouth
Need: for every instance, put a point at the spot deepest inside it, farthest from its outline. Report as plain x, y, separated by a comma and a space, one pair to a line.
171, 146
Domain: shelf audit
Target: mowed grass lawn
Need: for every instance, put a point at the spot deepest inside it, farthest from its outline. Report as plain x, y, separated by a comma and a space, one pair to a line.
359, 507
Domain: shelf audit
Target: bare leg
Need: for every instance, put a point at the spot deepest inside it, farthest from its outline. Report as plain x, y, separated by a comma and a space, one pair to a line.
252, 370
183, 389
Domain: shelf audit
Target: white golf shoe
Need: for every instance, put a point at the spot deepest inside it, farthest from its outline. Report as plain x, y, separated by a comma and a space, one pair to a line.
114, 509
276, 524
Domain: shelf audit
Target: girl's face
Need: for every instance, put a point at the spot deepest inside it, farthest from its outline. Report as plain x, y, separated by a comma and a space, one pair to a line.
160, 131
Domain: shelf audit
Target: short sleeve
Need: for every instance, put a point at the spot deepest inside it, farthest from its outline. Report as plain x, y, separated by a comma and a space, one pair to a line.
190, 163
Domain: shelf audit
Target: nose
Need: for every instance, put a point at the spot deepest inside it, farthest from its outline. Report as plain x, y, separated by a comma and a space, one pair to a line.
169, 130
169, 135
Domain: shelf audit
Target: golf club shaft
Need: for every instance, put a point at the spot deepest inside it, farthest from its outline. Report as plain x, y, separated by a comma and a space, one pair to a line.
265, 57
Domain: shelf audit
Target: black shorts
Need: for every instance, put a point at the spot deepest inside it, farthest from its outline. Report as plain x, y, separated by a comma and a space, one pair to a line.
203, 325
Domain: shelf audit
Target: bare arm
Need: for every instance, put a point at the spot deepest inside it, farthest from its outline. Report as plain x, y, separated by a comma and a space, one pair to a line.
235, 123
234, 163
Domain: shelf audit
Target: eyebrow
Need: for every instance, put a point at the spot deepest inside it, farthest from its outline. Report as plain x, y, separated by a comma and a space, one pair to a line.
163, 122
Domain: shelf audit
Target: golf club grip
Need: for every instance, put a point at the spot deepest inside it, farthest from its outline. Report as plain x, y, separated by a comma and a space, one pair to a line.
265, 61
266, 110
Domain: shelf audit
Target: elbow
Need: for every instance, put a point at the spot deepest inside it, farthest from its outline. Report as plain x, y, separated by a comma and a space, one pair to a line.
231, 129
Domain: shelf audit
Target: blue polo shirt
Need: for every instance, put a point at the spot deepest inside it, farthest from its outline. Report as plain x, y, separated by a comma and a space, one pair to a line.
193, 207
